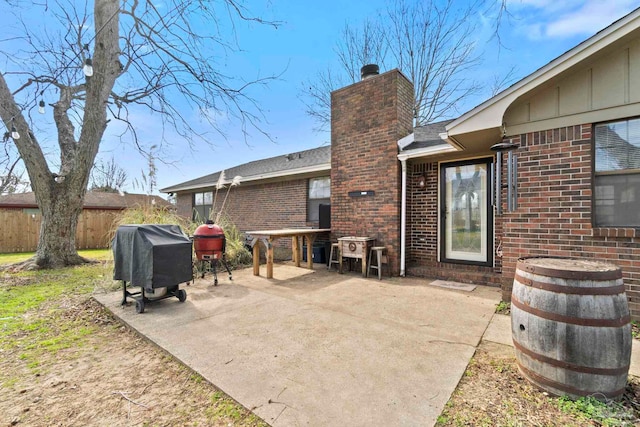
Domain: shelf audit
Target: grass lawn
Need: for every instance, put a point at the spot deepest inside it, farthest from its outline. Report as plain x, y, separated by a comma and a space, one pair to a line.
97, 254
67, 361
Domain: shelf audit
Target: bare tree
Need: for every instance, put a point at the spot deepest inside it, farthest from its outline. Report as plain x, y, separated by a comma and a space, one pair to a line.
431, 42
157, 53
108, 177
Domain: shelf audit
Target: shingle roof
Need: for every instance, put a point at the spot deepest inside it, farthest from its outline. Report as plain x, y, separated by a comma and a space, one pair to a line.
92, 200
283, 165
428, 135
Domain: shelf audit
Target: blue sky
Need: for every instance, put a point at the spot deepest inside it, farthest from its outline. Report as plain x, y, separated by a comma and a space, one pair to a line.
536, 32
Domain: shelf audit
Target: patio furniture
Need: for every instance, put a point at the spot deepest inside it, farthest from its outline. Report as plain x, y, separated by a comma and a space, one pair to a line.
355, 247
381, 258
335, 249
267, 237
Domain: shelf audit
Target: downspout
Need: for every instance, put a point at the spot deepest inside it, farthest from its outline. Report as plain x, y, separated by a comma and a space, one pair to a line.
403, 219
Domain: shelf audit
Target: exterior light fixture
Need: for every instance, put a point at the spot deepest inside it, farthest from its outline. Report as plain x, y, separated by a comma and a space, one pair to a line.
422, 181
14, 132
503, 146
87, 69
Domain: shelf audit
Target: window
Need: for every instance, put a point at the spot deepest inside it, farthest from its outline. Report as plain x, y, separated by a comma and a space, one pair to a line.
319, 194
202, 204
617, 174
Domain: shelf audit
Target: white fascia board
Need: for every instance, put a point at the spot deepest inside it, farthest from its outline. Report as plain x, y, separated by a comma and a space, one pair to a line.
426, 152
299, 171
406, 141
278, 174
489, 114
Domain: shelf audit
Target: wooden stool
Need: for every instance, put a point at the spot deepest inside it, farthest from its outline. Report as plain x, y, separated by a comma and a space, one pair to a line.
381, 258
335, 248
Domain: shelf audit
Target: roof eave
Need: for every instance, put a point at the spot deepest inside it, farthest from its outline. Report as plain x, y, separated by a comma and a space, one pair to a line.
426, 152
252, 178
489, 114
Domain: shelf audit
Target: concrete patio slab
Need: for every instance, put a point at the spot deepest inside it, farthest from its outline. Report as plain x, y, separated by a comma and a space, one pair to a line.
319, 348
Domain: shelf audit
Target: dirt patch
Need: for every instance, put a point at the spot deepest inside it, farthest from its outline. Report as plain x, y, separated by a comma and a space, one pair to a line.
113, 378
492, 392
14, 280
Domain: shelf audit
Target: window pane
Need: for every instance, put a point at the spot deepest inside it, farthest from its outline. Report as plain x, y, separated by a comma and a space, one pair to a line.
618, 145
320, 188
199, 214
617, 200
208, 198
313, 208
198, 199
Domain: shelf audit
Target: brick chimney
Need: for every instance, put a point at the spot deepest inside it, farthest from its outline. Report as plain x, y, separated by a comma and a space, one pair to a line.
367, 120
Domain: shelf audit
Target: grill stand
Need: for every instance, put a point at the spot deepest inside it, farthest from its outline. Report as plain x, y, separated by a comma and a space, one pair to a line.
141, 299
212, 265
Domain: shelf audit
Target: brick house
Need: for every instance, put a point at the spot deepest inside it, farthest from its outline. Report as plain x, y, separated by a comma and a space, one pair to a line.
444, 201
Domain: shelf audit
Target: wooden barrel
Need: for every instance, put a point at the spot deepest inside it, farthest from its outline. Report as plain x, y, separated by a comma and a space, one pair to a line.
571, 326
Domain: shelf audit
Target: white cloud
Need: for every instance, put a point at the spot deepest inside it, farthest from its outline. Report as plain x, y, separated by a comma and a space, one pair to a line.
553, 19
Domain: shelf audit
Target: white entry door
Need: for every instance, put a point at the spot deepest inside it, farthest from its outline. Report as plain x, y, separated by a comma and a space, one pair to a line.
466, 221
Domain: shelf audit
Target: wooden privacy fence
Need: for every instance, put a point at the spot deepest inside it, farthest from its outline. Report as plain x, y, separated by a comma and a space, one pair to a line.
19, 229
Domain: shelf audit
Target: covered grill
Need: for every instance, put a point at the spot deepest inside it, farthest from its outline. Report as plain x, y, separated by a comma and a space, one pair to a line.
154, 257
210, 244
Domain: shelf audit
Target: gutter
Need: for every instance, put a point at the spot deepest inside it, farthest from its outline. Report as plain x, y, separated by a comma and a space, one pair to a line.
259, 177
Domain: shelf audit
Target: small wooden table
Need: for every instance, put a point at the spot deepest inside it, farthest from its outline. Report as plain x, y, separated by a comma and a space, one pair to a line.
355, 247
269, 236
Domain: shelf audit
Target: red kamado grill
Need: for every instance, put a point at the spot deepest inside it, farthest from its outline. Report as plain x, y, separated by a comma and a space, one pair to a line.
210, 243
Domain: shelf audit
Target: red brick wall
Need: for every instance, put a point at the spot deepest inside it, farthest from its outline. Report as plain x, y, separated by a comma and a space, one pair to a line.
268, 206
422, 233
367, 120
554, 209
263, 206
184, 204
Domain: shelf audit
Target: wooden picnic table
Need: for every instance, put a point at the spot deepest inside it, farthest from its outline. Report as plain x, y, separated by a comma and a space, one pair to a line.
269, 236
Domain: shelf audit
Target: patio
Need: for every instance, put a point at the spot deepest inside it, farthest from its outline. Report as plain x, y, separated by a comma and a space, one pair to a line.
314, 347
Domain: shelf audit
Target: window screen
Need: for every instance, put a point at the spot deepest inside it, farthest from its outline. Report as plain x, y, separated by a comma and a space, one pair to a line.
617, 174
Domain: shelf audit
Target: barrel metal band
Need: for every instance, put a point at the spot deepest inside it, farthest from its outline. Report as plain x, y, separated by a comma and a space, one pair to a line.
564, 387
568, 274
580, 321
573, 290
570, 366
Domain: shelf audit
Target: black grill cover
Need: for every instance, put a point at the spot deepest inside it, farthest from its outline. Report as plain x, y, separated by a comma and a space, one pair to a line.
152, 255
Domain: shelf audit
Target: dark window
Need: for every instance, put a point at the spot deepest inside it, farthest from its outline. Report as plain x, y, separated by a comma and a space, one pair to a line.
617, 174
202, 204
319, 194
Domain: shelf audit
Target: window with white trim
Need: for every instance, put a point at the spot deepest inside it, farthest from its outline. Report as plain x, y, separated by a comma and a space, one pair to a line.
617, 174
202, 205
319, 194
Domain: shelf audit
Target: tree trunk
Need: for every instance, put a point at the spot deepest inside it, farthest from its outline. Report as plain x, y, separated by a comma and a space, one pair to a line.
57, 242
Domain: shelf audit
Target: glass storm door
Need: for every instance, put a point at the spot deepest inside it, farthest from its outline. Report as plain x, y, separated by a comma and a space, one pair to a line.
466, 222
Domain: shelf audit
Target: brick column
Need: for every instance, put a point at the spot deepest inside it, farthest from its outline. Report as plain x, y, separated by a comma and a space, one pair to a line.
367, 120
